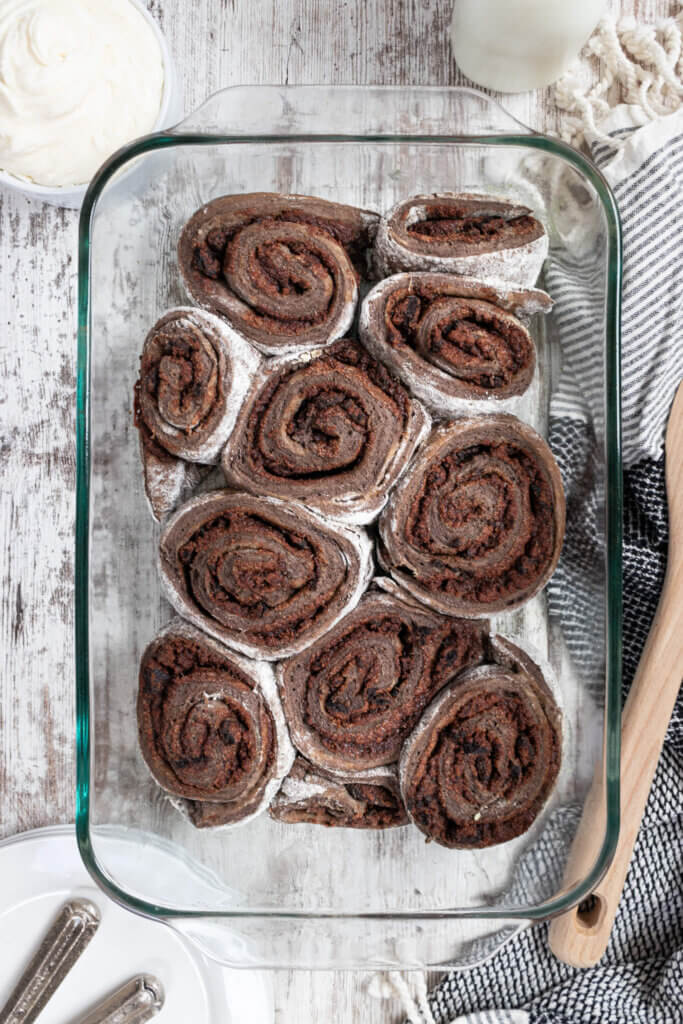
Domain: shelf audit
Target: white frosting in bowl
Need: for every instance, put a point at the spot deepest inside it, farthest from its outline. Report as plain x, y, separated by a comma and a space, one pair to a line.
78, 79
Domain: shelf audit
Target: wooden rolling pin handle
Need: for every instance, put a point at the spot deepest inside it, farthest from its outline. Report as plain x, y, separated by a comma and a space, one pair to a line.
580, 936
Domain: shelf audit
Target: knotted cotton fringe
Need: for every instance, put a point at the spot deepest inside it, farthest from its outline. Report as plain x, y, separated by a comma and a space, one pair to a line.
640, 65
394, 984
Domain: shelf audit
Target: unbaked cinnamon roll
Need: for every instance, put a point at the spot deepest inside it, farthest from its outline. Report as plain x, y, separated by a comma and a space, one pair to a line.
450, 338
485, 755
311, 796
194, 374
352, 698
211, 727
462, 233
279, 268
168, 480
477, 524
264, 577
335, 432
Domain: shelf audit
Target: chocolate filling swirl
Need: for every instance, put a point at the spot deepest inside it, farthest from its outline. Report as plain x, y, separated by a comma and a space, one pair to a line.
483, 759
334, 432
278, 268
265, 578
470, 340
352, 698
193, 375
208, 726
448, 337
478, 524
464, 234
179, 389
458, 225
366, 800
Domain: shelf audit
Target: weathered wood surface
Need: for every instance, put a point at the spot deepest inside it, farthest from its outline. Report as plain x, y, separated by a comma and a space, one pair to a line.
214, 44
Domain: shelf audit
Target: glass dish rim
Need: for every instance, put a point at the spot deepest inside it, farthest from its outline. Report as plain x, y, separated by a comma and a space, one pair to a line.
613, 498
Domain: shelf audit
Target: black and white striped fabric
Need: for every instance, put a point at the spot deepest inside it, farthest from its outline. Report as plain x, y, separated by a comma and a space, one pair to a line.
640, 979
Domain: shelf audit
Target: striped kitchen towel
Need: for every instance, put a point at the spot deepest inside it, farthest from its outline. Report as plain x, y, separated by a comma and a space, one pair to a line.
640, 978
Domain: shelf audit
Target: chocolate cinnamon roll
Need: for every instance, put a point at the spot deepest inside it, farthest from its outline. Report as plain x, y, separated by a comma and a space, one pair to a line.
352, 698
369, 799
211, 727
477, 525
279, 268
194, 374
264, 577
485, 756
462, 233
334, 432
451, 338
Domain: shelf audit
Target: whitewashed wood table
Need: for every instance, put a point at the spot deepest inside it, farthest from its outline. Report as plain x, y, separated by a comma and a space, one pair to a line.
214, 44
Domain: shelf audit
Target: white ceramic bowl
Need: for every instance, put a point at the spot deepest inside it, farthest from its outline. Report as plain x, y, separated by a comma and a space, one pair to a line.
170, 112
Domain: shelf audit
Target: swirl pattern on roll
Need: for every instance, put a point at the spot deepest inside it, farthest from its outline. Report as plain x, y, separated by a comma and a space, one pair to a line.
334, 432
279, 268
477, 525
353, 697
485, 756
211, 727
462, 233
264, 577
194, 374
369, 799
451, 338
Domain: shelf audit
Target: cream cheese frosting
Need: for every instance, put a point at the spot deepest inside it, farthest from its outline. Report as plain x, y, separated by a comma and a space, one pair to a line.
78, 79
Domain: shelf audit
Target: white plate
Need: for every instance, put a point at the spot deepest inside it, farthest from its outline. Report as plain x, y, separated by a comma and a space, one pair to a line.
40, 871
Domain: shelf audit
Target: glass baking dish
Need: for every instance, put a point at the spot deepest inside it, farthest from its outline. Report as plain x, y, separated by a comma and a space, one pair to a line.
266, 893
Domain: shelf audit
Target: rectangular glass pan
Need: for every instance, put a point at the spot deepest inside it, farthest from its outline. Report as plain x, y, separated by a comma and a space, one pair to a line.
265, 893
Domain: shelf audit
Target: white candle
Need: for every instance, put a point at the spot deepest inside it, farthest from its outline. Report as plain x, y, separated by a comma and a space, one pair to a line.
515, 45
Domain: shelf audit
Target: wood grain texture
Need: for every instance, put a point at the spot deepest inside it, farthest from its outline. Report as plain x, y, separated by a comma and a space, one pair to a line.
215, 43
